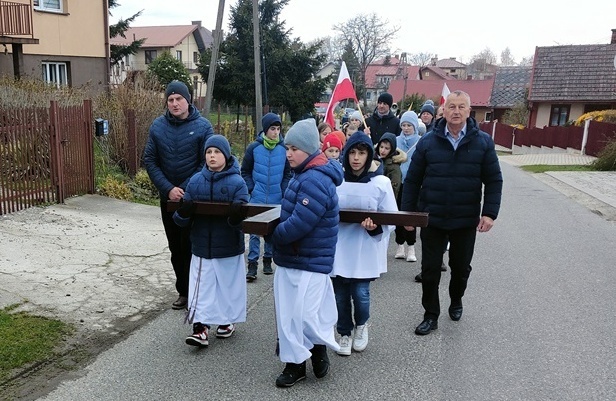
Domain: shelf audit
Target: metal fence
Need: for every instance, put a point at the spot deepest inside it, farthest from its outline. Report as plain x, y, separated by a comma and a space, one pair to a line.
46, 155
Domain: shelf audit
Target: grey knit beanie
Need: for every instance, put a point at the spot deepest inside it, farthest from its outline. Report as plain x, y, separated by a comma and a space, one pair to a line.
177, 87
304, 136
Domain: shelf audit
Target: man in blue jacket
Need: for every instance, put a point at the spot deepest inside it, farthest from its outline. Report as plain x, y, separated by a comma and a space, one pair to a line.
451, 168
173, 153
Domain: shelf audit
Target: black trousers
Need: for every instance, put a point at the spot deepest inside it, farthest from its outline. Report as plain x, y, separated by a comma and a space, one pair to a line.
461, 248
178, 239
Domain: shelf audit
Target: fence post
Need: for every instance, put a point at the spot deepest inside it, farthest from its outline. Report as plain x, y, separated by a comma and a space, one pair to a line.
132, 142
585, 136
494, 128
89, 135
57, 159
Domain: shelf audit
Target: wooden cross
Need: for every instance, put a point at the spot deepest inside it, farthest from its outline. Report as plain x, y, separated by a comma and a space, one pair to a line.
262, 218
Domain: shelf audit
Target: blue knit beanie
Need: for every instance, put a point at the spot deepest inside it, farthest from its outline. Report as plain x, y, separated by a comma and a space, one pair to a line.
429, 107
221, 143
270, 119
177, 87
304, 136
356, 115
411, 118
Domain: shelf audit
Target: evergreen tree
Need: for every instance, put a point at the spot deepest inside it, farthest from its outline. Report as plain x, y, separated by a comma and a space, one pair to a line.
288, 66
118, 52
166, 68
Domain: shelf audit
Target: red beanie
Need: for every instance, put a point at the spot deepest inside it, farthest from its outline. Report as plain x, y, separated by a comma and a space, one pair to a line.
340, 136
331, 140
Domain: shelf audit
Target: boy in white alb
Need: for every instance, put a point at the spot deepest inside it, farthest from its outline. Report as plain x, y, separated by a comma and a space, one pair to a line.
361, 250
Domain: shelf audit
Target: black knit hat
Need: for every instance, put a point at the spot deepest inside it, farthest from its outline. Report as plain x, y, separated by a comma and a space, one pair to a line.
386, 98
177, 87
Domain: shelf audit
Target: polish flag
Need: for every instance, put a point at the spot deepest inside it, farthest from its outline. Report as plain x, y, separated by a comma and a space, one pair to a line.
343, 90
444, 94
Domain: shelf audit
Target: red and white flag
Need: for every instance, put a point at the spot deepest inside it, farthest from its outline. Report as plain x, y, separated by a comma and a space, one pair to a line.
444, 94
343, 90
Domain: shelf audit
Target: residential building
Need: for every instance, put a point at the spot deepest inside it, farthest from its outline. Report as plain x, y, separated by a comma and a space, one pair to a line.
45, 39
510, 89
568, 81
185, 42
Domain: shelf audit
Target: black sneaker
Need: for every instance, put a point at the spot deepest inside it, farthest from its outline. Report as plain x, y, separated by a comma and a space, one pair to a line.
180, 303
320, 361
418, 278
252, 272
267, 266
292, 373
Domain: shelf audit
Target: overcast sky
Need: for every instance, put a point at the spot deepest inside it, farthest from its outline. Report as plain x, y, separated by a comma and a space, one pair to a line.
446, 28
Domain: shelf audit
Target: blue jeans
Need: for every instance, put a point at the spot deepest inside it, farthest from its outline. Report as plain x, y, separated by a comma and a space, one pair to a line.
353, 303
254, 248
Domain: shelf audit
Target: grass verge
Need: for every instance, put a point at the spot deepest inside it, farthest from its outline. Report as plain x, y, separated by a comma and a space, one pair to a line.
542, 168
26, 339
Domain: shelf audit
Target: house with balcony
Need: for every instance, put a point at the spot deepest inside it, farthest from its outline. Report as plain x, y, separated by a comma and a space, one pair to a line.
185, 42
45, 39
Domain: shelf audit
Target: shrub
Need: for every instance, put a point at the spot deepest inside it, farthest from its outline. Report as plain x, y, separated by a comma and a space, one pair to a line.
606, 116
115, 188
606, 159
139, 96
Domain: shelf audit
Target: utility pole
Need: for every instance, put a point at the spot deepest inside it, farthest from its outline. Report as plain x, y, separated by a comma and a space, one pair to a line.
257, 57
211, 76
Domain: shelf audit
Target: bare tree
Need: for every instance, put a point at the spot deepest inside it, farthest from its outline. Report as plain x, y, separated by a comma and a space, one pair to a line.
421, 59
486, 55
331, 47
527, 61
369, 36
507, 57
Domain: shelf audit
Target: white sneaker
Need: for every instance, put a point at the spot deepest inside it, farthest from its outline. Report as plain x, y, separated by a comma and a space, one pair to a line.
400, 252
360, 339
345, 346
410, 256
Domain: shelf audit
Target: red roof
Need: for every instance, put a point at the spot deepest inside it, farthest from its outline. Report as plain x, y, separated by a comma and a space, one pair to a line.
478, 90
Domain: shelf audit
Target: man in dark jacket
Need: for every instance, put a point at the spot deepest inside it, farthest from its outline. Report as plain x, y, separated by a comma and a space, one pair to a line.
173, 153
383, 119
449, 170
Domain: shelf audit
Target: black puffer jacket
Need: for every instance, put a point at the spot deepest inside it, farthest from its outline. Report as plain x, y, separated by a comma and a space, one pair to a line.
379, 125
448, 183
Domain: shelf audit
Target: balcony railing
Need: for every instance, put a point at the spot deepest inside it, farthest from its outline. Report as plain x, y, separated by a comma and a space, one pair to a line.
15, 19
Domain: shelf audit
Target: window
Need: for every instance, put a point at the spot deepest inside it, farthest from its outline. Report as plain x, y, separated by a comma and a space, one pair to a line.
150, 55
488, 117
55, 73
559, 115
178, 55
48, 5
195, 57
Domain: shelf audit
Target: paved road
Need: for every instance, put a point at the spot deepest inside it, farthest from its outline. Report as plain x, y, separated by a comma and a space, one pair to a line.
538, 324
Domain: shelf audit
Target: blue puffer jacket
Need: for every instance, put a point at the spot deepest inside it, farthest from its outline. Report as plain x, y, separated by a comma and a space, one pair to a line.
307, 234
212, 237
266, 172
448, 183
174, 151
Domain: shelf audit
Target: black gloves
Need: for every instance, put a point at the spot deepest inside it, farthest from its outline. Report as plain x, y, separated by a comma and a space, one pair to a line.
186, 208
237, 213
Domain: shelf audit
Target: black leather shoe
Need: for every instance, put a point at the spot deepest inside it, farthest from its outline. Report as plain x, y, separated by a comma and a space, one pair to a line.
426, 327
418, 278
292, 373
180, 303
320, 361
455, 311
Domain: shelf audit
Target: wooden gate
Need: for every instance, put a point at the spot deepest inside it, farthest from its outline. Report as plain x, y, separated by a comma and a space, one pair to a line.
46, 155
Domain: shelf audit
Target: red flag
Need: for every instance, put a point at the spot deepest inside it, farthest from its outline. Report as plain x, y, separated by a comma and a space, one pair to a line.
444, 94
343, 90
